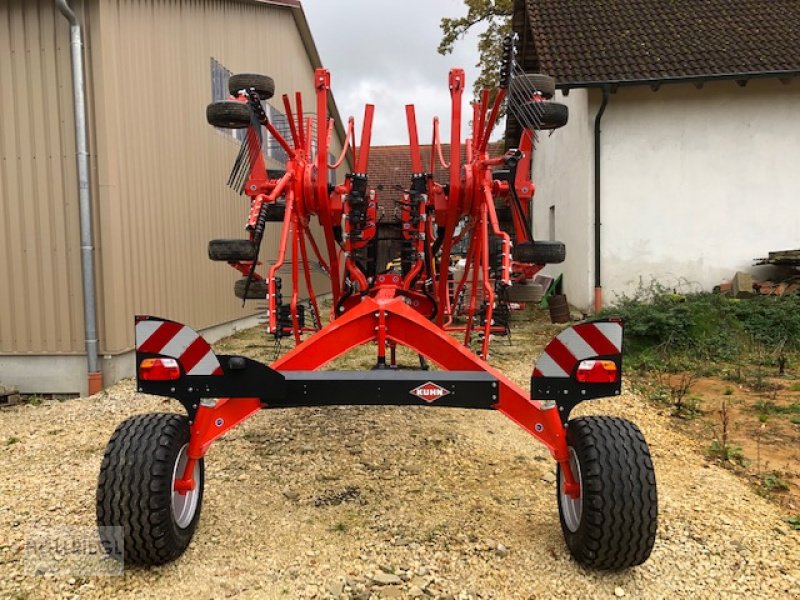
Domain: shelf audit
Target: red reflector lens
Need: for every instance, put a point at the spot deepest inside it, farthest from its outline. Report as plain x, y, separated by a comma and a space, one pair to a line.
597, 371
159, 369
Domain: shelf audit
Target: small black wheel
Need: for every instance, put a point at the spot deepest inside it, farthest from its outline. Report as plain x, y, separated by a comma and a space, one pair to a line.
522, 87
231, 250
228, 114
539, 252
136, 489
525, 292
612, 524
275, 212
495, 253
256, 291
542, 115
262, 84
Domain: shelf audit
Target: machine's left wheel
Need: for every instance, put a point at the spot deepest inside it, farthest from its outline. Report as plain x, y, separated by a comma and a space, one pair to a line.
256, 291
612, 523
136, 490
229, 114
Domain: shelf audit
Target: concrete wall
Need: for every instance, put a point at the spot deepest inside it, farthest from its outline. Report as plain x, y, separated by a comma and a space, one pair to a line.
562, 172
696, 183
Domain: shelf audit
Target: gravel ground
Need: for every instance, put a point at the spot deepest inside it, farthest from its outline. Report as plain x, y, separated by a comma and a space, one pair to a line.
366, 503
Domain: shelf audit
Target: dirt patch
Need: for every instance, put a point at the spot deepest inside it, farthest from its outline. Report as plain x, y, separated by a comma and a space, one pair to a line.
763, 430
363, 502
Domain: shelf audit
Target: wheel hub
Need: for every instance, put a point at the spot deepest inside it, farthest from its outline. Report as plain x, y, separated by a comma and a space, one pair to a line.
572, 508
184, 504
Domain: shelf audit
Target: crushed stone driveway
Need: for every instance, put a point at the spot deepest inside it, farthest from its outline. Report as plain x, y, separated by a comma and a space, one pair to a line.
362, 502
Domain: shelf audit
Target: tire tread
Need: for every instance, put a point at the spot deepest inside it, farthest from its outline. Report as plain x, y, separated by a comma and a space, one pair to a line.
620, 505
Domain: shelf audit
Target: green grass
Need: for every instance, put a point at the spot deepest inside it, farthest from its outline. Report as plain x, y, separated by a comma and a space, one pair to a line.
769, 407
794, 522
715, 334
11, 440
774, 482
727, 453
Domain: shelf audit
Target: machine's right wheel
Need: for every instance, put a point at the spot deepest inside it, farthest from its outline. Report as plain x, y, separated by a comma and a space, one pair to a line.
540, 252
525, 292
543, 115
231, 250
136, 490
612, 523
522, 85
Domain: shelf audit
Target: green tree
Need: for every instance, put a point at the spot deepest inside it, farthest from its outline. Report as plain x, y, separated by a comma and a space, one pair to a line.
496, 15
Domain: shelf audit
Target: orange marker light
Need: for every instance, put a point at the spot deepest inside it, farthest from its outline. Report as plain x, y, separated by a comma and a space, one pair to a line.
159, 369
597, 371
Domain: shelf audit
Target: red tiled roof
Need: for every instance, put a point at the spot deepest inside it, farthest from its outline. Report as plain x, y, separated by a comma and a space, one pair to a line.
390, 166
588, 41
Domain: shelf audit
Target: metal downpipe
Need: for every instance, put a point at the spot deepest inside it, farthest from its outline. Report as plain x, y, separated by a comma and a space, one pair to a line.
95, 380
598, 289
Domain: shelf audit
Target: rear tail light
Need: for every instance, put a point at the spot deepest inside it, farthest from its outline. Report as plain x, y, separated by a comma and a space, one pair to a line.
597, 371
159, 369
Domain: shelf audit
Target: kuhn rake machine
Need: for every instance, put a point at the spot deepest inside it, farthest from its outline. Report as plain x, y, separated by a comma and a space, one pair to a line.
151, 480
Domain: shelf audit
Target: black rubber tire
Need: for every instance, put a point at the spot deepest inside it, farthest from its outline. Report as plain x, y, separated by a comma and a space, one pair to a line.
228, 114
134, 489
520, 85
231, 250
619, 514
262, 84
539, 253
501, 175
551, 115
276, 212
495, 253
256, 291
525, 292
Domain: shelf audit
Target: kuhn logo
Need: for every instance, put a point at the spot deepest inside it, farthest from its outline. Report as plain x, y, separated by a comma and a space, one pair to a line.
429, 391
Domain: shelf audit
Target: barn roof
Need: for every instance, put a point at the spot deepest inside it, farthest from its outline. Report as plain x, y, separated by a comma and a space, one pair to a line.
583, 43
390, 166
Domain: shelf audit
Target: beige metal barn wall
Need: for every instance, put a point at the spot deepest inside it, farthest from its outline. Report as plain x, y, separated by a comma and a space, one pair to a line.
161, 168
40, 278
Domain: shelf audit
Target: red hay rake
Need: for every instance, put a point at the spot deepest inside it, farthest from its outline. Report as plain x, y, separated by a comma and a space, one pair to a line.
606, 484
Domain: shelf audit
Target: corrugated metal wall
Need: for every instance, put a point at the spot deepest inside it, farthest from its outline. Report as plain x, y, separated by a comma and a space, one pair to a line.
40, 284
159, 170
162, 168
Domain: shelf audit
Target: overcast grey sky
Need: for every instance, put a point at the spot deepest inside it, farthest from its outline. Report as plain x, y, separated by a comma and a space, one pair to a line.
383, 52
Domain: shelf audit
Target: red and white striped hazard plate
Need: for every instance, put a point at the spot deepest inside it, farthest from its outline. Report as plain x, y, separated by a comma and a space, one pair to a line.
577, 343
168, 338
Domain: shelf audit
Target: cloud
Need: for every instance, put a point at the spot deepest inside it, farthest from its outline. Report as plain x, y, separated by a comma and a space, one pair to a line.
384, 53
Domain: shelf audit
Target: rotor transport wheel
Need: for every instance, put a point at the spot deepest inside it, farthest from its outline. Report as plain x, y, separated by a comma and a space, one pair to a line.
229, 114
525, 292
232, 250
540, 252
262, 84
550, 115
256, 291
612, 523
136, 500
521, 85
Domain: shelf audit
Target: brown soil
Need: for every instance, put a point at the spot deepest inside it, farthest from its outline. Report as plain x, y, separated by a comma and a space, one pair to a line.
765, 425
